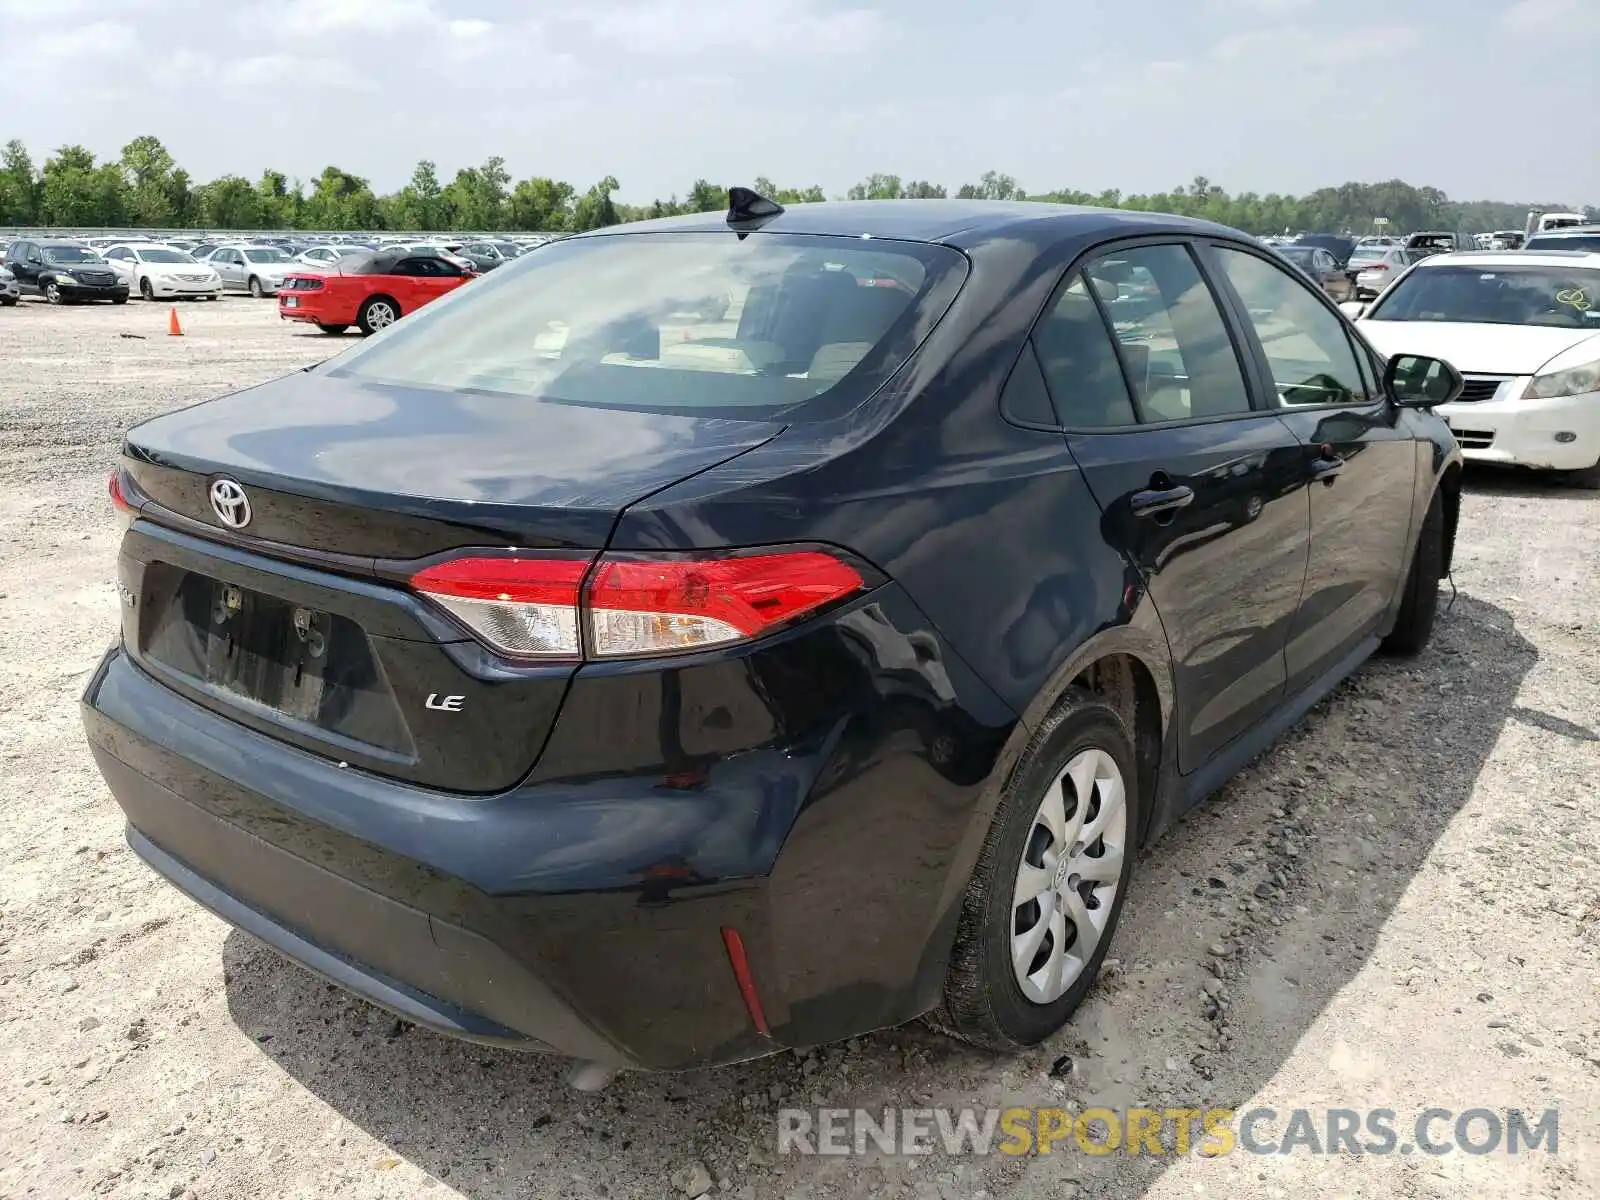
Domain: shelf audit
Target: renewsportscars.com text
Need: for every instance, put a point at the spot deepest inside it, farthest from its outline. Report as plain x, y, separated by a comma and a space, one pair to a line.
1166, 1131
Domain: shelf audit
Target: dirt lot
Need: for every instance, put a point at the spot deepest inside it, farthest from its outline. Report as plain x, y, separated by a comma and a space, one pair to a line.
1406, 892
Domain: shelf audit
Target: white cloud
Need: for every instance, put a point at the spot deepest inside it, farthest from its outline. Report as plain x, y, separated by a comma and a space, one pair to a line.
1261, 8
1552, 16
1316, 47
302, 17
690, 27
267, 69
470, 28
101, 39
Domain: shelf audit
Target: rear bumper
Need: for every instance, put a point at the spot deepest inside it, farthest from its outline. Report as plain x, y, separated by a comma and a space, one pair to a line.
583, 911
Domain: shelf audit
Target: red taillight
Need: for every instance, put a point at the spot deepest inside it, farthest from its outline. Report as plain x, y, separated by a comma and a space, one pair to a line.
532, 607
665, 604
524, 607
120, 504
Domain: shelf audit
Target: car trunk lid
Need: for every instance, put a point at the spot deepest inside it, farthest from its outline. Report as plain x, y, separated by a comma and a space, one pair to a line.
299, 623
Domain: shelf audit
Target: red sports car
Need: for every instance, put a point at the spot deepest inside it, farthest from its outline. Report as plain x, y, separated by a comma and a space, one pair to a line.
372, 290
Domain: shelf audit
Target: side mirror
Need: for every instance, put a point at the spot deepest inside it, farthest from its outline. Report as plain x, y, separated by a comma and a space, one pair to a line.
1417, 381
1352, 308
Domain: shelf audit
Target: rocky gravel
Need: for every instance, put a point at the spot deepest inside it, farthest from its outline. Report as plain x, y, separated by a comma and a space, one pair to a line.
1398, 906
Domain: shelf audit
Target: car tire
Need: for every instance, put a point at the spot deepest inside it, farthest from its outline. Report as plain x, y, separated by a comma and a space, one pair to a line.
379, 312
255, 289
8, 301
146, 292
989, 999
333, 330
1419, 604
52, 293
122, 299
1587, 478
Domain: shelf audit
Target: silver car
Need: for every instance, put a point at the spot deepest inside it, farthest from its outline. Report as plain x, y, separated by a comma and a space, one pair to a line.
258, 270
1375, 271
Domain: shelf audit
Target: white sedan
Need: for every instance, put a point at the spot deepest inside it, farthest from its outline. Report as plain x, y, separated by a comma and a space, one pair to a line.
158, 272
1524, 329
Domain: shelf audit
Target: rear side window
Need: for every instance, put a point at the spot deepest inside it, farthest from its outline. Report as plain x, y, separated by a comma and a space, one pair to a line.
1080, 363
696, 323
1171, 334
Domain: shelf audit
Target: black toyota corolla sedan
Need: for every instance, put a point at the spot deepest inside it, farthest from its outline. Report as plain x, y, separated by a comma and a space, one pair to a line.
742, 631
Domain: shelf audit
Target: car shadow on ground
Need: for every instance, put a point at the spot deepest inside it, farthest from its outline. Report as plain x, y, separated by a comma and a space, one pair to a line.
491, 1123
1524, 482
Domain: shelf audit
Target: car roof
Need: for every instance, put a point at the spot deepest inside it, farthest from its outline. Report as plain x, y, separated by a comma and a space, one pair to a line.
960, 223
1514, 258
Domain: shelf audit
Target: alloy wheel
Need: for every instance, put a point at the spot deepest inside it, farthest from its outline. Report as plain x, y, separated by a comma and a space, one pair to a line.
380, 315
1067, 880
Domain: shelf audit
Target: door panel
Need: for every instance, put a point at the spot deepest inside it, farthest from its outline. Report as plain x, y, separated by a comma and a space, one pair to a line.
1203, 495
1360, 528
1363, 464
1225, 570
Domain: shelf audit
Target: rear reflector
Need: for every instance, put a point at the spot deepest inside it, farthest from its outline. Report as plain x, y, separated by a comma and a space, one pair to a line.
522, 607
533, 607
740, 962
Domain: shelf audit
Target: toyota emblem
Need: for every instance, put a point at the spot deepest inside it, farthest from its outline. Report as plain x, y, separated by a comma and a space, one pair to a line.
230, 503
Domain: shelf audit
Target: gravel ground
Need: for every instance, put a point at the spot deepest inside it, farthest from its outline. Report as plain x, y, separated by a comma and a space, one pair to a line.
1405, 893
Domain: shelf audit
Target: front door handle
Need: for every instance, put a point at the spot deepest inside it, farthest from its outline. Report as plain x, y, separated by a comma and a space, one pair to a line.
1326, 466
1155, 502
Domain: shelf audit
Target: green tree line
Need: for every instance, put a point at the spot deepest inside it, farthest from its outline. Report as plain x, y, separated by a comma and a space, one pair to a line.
145, 187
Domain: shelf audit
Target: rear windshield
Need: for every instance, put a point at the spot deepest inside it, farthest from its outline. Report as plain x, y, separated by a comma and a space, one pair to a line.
1368, 253
701, 324
1558, 297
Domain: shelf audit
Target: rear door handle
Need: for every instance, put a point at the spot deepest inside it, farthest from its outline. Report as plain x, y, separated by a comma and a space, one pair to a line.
1156, 501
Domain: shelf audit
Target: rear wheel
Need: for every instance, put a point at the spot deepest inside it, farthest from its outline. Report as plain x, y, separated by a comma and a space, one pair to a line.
1420, 602
333, 329
1049, 885
377, 313
146, 292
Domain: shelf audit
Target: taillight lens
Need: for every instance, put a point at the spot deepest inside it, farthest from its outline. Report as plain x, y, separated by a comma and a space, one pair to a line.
120, 504
522, 607
531, 608
662, 605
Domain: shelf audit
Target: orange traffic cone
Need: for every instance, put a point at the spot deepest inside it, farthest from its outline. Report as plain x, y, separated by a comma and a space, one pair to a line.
173, 328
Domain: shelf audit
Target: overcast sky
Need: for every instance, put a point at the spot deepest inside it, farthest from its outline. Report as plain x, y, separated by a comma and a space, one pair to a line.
1485, 99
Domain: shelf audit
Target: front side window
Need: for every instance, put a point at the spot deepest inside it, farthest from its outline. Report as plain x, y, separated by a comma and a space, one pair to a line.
1306, 345
1554, 297
1080, 363
1171, 334
682, 322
